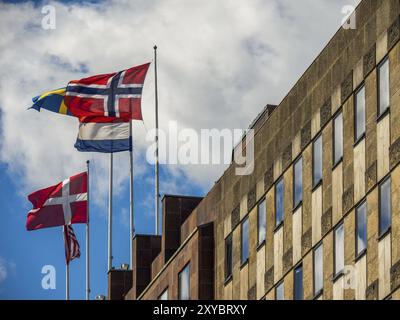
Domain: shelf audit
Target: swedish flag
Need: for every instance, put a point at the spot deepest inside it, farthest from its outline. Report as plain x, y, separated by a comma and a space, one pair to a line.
52, 101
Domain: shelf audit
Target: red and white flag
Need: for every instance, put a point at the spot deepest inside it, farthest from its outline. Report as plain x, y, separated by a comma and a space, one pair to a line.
109, 96
62, 204
71, 244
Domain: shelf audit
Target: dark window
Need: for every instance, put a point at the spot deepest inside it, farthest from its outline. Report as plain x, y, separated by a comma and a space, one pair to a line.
298, 182
383, 87
164, 295
298, 283
228, 256
339, 249
245, 240
184, 283
262, 221
385, 207
338, 139
317, 161
280, 292
361, 216
318, 270
279, 202
360, 113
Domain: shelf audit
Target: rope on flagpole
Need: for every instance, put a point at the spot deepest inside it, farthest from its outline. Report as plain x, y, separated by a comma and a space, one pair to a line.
67, 281
131, 204
157, 189
87, 238
110, 200
66, 269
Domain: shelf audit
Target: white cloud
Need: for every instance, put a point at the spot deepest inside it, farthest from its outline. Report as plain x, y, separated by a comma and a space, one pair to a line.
220, 62
5, 269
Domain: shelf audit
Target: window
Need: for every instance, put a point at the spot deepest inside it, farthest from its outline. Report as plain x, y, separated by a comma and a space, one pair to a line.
318, 270
338, 139
361, 236
298, 182
228, 257
339, 250
164, 295
279, 292
359, 113
317, 161
298, 283
184, 283
383, 87
279, 202
262, 223
245, 240
385, 207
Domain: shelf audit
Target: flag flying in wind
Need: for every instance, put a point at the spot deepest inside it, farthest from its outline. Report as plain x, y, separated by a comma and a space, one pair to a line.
62, 204
51, 100
71, 244
113, 95
103, 137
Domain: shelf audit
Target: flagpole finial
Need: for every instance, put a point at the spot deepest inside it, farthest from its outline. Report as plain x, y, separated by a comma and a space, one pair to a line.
87, 161
155, 47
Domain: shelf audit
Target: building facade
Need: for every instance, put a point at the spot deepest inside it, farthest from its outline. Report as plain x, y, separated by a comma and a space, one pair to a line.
319, 218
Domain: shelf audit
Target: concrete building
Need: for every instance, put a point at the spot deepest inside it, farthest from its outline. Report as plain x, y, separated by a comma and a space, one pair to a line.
320, 216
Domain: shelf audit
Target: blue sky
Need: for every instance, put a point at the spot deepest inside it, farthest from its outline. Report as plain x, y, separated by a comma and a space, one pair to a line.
218, 66
30, 251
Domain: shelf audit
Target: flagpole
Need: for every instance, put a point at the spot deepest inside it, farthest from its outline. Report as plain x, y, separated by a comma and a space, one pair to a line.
132, 221
157, 191
67, 281
87, 238
110, 215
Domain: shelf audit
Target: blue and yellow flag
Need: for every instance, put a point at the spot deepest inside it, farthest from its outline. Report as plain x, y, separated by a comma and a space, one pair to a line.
52, 101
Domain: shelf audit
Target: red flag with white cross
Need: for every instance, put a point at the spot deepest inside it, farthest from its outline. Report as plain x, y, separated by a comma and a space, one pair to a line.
62, 204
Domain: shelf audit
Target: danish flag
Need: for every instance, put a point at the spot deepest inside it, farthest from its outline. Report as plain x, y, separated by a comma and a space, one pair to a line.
108, 96
62, 204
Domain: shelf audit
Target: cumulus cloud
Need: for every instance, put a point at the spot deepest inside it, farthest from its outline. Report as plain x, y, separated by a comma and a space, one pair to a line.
219, 61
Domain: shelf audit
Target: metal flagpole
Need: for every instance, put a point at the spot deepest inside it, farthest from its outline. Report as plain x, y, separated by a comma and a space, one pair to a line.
110, 215
132, 222
87, 238
157, 191
67, 281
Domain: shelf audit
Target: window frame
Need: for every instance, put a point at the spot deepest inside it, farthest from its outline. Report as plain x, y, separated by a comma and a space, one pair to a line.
380, 114
315, 184
355, 101
300, 202
278, 285
261, 243
280, 223
299, 266
229, 277
337, 273
187, 265
335, 162
320, 291
244, 262
383, 233
359, 254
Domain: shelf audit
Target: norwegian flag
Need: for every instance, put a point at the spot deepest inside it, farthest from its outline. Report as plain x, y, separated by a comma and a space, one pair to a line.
62, 204
108, 96
71, 244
